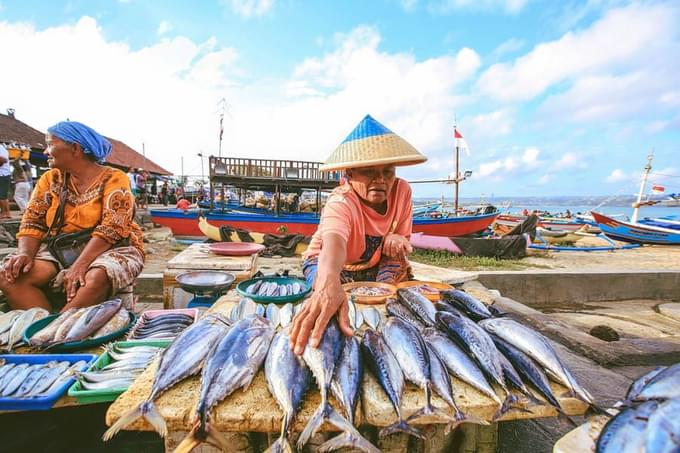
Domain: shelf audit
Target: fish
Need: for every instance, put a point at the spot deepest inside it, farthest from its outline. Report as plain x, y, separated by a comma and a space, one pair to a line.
52, 374
384, 366
527, 368
345, 388
458, 362
90, 322
28, 384
232, 365
372, 317
254, 288
7, 319
358, 319
442, 305
260, 310
322, 362
247, 307
6, 367
283, 290
117, 322
663, 428
477, 342
640, 383
262, 290
288, 379
235, 315
117, 383
16, 332
46, 334
286, 315
472, 306
64, 377
665, 385
273, 315
538, 348
289, 289
394, 308
297, 288
411, 352
352, 313
625, 433
103, 376
184, 357
20, 377
9, 376
68, 323
441, 383
420, 305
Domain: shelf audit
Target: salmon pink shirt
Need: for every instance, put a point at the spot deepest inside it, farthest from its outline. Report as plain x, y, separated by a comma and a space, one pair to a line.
345, 215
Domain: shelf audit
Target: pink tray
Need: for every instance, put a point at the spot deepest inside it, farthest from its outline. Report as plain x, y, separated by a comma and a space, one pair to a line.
155, 313
235, 248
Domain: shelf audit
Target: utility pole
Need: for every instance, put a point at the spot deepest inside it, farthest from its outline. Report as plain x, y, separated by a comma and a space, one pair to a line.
645, 175
457, 177
223, 108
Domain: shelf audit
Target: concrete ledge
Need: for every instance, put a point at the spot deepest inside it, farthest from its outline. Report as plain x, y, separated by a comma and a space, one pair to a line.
149, 285
535, 288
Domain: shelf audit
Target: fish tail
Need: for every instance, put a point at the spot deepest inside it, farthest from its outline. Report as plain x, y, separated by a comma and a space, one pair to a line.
313, 424
353, 436
400, 426
348, 440
147, 410
280, 446
511, 402
429, 413
122, 422
191, 441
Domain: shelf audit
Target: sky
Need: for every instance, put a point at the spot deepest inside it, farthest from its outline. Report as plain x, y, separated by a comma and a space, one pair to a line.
553, 98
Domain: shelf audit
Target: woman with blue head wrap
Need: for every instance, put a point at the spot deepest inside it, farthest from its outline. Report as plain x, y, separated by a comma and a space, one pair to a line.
93, 198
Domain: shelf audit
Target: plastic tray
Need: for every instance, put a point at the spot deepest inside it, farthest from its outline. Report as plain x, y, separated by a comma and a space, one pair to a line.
103, 396
434, 297
235, 248
241, 289
45, 402
155, 313
370, 300
76, 345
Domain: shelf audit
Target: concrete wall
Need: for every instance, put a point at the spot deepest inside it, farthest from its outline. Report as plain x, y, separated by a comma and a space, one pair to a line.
535, 288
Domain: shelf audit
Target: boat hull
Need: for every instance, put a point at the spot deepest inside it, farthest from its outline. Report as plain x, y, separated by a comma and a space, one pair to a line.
186, 223
636, 233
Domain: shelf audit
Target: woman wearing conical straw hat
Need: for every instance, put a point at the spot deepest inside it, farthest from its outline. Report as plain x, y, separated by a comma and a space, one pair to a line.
364, 229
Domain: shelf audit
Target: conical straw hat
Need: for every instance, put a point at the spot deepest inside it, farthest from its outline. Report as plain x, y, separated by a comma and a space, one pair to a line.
371, 143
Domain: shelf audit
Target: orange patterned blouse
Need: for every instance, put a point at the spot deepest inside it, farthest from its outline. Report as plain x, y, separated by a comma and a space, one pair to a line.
107, 206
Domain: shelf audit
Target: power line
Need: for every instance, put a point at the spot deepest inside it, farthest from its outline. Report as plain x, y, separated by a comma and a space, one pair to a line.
665, 175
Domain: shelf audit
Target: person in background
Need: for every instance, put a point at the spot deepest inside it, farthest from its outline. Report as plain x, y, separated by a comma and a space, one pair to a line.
164, 193
28, 170
183, 204
5, 180
22, 189
133, 180
364, 230
140, 182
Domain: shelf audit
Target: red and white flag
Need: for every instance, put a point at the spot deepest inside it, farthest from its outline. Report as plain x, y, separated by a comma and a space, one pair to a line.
658, 189
460, 141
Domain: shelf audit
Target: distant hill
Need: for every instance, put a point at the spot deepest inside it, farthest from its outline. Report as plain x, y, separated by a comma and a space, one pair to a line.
613, 200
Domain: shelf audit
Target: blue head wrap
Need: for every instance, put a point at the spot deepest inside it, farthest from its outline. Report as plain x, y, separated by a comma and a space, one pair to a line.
89, 139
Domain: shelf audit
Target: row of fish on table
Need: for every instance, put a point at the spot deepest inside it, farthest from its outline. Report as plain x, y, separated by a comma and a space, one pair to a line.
126, 364
13, 324
24, 380
420, 342
160, 326
282, 315
649, 416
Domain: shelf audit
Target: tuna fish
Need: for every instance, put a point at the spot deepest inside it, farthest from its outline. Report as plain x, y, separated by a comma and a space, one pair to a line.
372, 317
538, 348
288, 379
475, 308
663, 428
420, 305
345, 388
384, 366
411, 352
640, 383
91, 321
322, 362
184, 357
625, 432
665, 385
394, 308
441, 382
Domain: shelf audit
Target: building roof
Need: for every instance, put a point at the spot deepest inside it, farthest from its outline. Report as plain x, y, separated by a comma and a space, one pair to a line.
122, 156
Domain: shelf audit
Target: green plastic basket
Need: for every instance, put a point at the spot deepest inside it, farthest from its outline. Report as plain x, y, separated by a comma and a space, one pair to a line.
76, 345
241, 289
104, 396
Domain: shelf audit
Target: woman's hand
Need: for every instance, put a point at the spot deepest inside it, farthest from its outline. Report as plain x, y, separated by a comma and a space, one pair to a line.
16, 264
74, 278
396, 245
327, 300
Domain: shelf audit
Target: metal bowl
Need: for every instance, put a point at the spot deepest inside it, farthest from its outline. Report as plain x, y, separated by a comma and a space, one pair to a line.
199, 282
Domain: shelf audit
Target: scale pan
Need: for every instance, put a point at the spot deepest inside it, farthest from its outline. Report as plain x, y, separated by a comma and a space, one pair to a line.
205, 281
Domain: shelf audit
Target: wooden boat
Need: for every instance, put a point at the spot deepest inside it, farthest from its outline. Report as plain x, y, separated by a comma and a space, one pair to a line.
185, 223
636, 232
549, 223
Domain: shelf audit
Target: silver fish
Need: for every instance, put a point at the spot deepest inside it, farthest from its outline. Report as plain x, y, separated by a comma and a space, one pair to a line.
46, 334
663, 428
91, 321
625, 433
475, 308
665, 385
358, 319
184, 357
394, 308
322, 361
262, 290
234, 314
232, 365
119, 383
62, 379
273, 315
27, 385
247, 307
68, 323
16, 332
297, 288
286, 315
385, 367
458, 362
410, 351
7, 378
441, 383
7, 319
47, 379
420, 305
260, 310
288, 379
272, 289
537, 347
103, 376
372, 317
18, 379
345, 388
283, 290
114, 324
5, 369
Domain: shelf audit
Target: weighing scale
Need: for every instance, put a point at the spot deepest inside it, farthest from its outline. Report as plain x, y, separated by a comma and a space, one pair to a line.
206, 286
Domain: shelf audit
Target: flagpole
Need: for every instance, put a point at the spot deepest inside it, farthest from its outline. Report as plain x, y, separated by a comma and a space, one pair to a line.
456, 180
648, 168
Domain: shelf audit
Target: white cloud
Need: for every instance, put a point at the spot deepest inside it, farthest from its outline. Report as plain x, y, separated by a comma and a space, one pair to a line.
617, 175
510, 46
608, 44
545, 179
250, 8
513, 164
448, 6
164, 27
492, 124
569, 161
408, 5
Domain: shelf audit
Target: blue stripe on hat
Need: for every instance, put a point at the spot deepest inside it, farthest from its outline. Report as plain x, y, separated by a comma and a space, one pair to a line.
368, 127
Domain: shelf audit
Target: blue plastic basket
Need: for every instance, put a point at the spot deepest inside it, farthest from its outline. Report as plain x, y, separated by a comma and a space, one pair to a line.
44, 402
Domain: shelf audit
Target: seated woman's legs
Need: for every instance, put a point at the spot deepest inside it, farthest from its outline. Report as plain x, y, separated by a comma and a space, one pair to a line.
26, 291
96, 290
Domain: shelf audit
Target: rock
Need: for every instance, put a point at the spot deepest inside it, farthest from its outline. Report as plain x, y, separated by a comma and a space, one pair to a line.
604, 333
672, 310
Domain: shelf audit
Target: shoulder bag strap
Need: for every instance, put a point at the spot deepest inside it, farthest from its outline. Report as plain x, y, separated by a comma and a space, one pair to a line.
58, 221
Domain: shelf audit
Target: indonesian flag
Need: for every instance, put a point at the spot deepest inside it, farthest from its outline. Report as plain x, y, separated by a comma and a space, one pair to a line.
460, 141
658, 189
